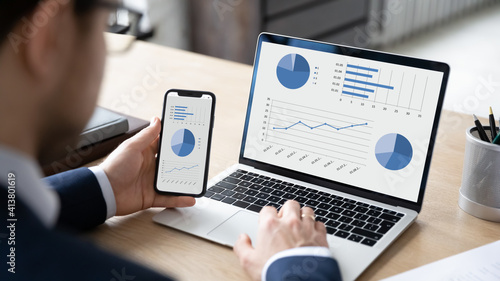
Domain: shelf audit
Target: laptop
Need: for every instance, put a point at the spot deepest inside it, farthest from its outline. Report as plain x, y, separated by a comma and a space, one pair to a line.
346, 131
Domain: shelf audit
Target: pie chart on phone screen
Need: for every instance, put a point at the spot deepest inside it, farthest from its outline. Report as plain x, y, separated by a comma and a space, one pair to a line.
183, 142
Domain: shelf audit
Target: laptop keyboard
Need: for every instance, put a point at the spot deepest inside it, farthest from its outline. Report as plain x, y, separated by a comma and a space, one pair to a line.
343, 217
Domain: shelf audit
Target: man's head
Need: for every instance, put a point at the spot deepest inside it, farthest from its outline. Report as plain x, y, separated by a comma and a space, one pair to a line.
13, 11
52, 56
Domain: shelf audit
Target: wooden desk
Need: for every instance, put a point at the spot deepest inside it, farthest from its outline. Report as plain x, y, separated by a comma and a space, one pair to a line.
135, 83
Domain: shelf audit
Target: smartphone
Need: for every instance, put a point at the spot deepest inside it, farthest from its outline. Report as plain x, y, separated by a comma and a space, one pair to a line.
184, 145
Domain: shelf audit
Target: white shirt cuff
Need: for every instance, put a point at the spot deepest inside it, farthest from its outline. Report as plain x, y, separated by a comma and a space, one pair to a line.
302, 251
107, 191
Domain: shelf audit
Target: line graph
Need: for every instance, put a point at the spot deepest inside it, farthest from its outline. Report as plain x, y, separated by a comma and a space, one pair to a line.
320, 125
183, 168
180, 172
319, 131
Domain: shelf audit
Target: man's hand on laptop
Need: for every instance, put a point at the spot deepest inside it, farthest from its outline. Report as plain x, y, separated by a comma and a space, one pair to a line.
130, 170
292, 227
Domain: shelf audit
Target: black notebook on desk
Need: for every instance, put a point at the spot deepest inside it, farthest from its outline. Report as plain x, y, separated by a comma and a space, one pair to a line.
104, 132
104, 124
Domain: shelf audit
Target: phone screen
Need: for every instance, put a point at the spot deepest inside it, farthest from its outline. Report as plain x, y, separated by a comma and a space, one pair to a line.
183, 156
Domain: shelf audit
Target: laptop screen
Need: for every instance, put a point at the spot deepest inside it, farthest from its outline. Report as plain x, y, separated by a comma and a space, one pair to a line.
361, 119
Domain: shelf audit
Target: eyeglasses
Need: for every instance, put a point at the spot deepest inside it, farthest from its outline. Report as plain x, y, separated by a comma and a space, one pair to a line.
122, 20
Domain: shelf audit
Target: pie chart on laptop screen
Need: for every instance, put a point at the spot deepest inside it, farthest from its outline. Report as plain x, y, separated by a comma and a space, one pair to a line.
183, 142
393, 151
293, 71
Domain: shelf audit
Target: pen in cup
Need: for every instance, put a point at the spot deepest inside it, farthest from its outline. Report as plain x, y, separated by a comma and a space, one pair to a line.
493, 126
480, 129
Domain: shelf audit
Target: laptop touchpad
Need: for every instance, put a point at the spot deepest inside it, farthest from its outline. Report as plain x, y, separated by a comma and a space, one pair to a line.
230, 230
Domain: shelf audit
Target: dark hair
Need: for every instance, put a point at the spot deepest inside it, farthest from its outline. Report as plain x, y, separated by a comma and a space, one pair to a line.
11, 11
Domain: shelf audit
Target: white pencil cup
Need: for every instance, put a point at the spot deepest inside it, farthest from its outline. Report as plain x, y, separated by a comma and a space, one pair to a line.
480, 191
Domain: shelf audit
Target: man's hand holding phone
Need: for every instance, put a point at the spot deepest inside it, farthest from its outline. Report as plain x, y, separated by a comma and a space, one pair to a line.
130, 170
134, 167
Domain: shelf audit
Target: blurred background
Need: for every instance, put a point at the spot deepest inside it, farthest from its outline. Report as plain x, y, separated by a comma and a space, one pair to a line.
463, 33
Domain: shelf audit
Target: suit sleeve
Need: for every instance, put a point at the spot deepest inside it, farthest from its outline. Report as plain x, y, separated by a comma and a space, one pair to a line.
307, 263
49, 254
82, 202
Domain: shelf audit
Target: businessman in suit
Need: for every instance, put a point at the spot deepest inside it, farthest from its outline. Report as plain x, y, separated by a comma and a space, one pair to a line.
52, 55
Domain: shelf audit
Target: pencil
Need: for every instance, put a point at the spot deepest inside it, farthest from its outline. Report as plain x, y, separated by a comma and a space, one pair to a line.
480, 129
493, 126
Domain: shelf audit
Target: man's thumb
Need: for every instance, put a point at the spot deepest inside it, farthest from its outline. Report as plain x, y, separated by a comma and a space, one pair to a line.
243, 246
148, 134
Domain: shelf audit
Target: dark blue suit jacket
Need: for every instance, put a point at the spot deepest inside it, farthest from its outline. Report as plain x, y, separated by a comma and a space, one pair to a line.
54, 254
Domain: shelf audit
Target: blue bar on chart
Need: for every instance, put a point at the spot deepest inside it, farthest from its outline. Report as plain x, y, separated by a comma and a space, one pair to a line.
362, 67
180, 113
359, 74
354, 94
369, 83
358, 88
357, 78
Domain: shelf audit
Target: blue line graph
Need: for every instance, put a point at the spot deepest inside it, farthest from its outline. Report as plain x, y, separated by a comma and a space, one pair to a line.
320, 131
183, 168
362, 67
320, 125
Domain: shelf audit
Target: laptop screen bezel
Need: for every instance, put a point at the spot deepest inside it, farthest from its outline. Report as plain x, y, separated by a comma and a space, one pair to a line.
359, 53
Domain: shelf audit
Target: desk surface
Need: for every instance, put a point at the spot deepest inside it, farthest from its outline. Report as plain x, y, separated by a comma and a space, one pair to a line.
135, 82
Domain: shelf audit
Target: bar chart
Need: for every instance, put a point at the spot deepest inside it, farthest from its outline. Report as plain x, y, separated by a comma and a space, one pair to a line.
381, 84
188, 115
180, 113
355, 81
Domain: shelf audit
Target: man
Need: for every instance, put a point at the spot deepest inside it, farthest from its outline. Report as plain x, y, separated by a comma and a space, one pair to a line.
52, 55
